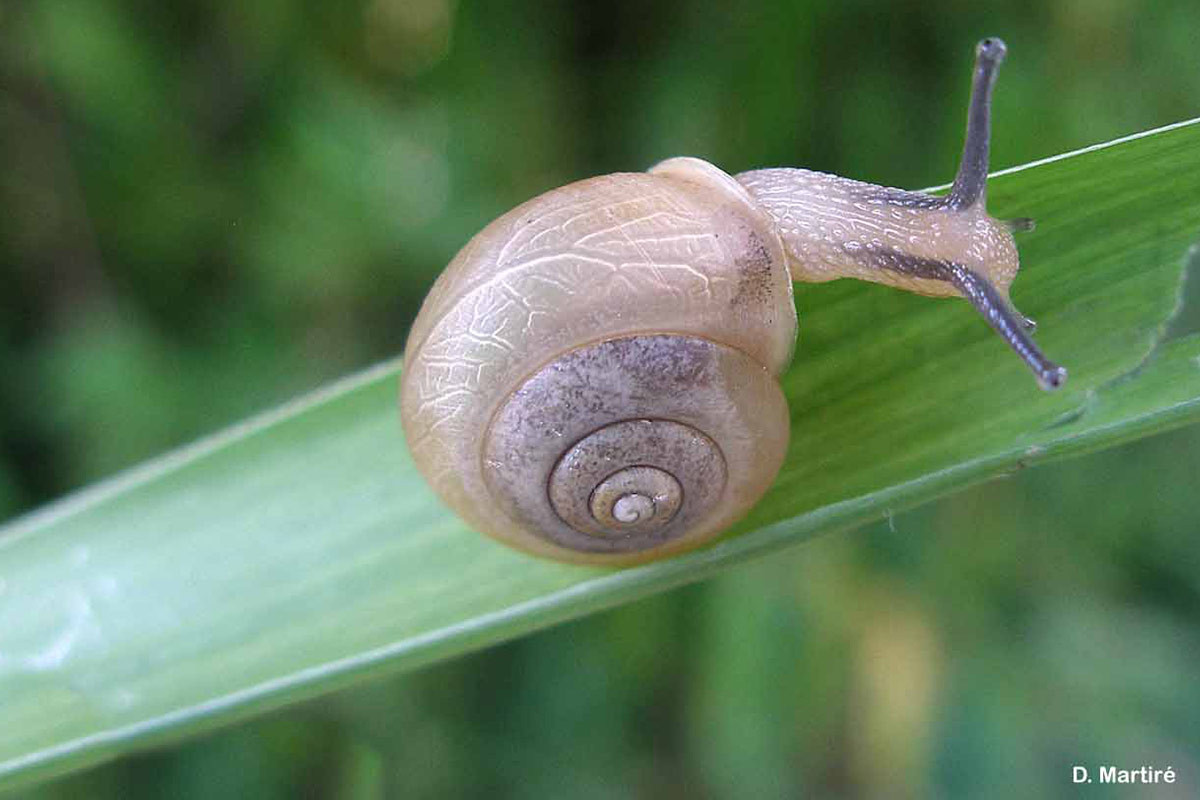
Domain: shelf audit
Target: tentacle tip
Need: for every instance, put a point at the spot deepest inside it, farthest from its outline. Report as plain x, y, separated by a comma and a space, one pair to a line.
1052, 378
991, 49
1020, 224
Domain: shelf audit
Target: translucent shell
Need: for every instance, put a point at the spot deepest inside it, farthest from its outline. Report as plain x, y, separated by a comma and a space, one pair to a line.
619, 288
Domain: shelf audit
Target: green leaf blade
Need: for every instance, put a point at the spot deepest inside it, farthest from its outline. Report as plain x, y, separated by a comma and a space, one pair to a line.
302, 551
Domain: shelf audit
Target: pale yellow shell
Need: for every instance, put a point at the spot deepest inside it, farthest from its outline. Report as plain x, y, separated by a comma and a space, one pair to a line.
677, 266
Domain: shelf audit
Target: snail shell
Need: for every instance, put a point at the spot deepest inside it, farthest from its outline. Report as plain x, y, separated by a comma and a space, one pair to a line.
594, 376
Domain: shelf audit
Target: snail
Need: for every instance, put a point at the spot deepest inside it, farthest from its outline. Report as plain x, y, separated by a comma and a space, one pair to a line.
593, 378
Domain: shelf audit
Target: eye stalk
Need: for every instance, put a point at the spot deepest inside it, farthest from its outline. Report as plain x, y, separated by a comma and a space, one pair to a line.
1014, 327
970, 183
969, 190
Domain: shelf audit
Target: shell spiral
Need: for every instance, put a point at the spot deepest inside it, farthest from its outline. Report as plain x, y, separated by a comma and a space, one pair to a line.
593, 378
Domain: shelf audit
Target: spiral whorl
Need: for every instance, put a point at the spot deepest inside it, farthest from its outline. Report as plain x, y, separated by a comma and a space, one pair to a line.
630, 479
625, 446
635, 499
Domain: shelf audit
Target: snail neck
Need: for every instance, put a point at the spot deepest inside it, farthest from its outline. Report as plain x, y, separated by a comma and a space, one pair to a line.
834, 227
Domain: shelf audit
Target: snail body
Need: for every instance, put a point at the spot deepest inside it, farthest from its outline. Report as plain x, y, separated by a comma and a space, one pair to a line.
593, 378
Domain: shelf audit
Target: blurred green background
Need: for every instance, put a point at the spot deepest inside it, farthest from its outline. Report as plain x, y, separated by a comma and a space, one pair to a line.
206, 208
